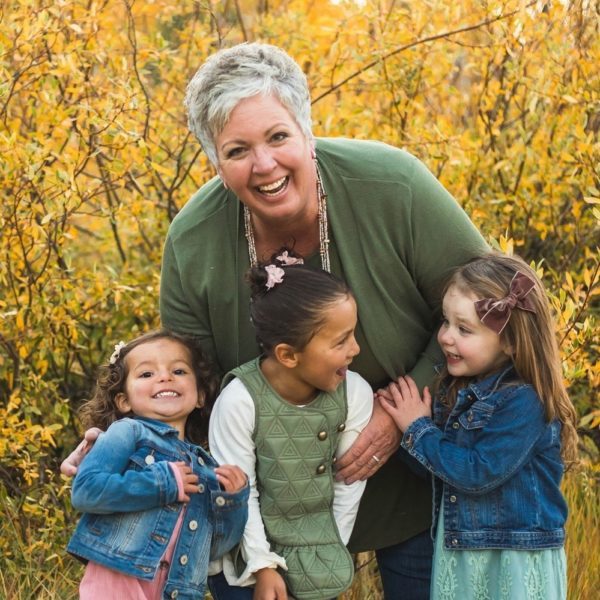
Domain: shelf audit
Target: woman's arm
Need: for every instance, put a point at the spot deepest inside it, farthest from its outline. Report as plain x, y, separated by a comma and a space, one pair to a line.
230, 440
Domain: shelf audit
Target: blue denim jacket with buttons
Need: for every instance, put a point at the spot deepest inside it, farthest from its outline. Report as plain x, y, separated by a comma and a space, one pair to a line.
497, 466
128, 493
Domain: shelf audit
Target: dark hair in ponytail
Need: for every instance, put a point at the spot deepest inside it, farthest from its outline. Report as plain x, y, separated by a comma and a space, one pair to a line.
291, 311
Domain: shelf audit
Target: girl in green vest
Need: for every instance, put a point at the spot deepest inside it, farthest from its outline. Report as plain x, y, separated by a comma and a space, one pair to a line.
284, 418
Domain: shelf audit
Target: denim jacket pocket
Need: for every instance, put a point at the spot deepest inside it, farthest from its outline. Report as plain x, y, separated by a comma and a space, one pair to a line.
148, 455
476, 417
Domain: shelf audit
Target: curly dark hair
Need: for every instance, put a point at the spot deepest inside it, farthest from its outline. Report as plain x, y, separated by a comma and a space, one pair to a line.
101, 409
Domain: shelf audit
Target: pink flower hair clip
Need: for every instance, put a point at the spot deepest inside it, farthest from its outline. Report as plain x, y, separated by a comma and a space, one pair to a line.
114, 357
274, 276
287, 260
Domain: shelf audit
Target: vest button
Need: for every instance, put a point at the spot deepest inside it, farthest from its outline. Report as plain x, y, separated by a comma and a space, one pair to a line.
149, 460
341, 427
200, 488
454, 542
200, 460
183, 559
193, 525
220, 501
320, 469
322, 435
174, 594
455, 425
334, 460
470, 416
453, 498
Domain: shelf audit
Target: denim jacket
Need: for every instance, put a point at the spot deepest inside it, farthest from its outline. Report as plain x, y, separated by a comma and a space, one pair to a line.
128, 493
497, 467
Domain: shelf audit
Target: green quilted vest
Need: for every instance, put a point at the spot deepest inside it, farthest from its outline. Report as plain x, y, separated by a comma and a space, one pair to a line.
295, 450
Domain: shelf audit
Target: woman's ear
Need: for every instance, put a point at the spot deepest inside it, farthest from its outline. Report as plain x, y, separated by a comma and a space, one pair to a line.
286, 355
220, 174
122, 403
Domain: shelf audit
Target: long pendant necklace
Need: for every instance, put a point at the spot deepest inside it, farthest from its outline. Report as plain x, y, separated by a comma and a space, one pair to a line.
323, 227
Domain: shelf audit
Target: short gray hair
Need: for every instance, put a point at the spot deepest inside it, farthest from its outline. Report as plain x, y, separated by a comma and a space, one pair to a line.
234, 74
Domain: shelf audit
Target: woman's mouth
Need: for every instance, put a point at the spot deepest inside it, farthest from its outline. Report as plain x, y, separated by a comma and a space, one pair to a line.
272, 189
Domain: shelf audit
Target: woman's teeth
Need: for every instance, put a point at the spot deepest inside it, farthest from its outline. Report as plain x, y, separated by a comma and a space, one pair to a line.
273, 188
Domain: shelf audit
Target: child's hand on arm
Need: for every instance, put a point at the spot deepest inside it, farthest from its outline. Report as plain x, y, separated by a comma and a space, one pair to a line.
231, 477
402, 401
269, 585
189, 481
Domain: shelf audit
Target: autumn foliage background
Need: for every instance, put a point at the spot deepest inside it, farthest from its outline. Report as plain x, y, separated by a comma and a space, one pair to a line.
500, 99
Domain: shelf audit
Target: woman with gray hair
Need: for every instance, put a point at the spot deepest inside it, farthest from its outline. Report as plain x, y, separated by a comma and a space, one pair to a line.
369, 213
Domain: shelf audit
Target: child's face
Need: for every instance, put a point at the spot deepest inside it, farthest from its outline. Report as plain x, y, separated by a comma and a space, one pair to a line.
323, 362
471, 348
160, 383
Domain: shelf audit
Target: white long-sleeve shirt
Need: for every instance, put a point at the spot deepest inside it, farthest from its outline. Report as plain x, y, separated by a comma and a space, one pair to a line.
230, 438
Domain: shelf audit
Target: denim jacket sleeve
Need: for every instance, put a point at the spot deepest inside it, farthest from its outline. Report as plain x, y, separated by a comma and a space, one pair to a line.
106, 483
484, 445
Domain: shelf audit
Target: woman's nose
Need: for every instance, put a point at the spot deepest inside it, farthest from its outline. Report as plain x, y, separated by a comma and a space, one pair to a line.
263, 161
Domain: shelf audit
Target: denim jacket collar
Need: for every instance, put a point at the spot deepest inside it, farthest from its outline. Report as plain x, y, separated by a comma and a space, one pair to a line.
487, 386
157, 426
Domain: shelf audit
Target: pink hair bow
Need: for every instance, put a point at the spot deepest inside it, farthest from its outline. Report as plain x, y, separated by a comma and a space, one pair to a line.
274, 276
285, 259
495, 312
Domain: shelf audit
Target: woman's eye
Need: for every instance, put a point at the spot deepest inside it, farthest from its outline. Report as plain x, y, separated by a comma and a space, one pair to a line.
279, 136
234, 152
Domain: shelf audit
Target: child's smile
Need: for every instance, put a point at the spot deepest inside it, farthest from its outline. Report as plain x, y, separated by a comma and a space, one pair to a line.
161, 383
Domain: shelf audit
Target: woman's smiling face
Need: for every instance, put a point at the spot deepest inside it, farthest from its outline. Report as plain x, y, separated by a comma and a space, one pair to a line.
266, 160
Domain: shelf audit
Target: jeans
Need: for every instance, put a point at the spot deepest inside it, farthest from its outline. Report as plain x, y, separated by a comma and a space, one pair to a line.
221, 590
405, 568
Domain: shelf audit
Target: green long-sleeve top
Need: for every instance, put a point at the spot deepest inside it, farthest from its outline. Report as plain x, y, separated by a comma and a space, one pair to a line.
395, 234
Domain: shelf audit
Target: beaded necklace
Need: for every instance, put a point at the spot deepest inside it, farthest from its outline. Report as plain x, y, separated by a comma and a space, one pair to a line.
323, 227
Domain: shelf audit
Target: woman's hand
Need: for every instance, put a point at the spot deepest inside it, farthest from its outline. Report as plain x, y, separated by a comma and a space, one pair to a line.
269, 585
69, 465
374, 445
403, 402
231, 477
188, 479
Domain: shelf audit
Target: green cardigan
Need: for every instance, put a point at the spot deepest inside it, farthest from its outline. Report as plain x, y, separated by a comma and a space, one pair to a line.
396, 234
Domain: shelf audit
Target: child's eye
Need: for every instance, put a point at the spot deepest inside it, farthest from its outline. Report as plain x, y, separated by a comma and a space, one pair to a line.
146, 374
464, 330
180, 371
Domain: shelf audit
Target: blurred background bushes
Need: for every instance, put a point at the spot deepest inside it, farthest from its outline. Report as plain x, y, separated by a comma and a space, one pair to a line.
500, 99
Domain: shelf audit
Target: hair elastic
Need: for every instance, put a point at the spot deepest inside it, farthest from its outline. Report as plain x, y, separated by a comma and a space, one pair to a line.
114, 357
274, 276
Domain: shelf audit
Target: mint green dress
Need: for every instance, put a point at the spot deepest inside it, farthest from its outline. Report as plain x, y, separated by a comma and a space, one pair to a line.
497, 574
